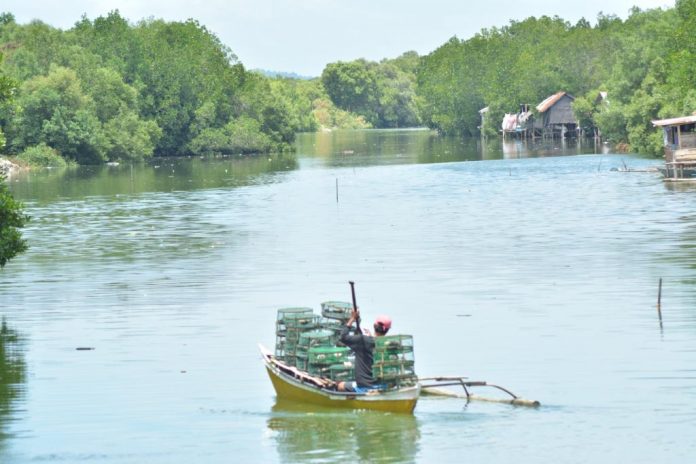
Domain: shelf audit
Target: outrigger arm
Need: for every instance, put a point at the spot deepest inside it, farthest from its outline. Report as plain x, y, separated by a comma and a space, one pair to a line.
436, 384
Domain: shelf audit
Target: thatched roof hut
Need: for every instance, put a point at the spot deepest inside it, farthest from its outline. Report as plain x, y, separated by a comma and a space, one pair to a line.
555, 115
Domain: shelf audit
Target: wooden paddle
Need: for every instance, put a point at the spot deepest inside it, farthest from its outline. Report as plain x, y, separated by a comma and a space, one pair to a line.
355, 306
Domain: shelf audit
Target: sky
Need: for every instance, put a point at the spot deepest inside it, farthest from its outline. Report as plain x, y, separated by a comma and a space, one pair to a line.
302, 36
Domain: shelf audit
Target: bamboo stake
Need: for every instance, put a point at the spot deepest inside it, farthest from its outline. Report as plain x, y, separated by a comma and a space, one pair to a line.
659, 301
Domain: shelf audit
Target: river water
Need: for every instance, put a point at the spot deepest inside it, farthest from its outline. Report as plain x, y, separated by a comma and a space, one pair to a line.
536, 269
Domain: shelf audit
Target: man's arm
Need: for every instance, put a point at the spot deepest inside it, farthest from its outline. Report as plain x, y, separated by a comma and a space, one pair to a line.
346, 338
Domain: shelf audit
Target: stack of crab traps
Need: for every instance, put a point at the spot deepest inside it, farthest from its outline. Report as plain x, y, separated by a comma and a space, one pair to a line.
311, 343
394, 362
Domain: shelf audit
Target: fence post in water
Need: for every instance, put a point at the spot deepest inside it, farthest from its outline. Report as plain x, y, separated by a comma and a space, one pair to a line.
659, 301
337, 190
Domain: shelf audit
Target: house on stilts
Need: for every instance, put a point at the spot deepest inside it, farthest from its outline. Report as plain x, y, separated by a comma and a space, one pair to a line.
555, 117
680, 147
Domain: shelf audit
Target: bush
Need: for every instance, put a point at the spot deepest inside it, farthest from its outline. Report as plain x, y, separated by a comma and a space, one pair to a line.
42, 156
12, 218
243, 135
612, 124
327, 116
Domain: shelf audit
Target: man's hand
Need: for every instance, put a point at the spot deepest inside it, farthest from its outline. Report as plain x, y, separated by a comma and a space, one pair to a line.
354, 316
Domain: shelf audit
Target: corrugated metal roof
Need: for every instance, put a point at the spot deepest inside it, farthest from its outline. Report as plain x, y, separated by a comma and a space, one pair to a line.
675, 121
549, 102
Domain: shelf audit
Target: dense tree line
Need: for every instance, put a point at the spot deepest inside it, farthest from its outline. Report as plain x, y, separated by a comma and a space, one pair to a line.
646, 64
109, 90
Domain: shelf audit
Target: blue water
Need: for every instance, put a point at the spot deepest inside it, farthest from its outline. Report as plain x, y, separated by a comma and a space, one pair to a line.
536, 273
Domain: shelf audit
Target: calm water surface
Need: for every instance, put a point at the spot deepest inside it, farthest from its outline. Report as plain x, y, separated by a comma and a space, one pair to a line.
508, 264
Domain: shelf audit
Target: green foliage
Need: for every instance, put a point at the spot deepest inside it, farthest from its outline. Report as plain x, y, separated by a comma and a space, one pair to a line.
297, 96
330, 117
12, 218
108, 89
56, 111
7, 91
130, 138
110, 94
612, 123
382, 93
397, 106
353, 87
408, 62
587, 107
683, 45
42, 155
584, 109
522, 63
240, 136
646, 64
451, 87
309, 108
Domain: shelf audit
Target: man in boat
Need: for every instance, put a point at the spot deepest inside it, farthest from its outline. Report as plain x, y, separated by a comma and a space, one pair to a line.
363, 346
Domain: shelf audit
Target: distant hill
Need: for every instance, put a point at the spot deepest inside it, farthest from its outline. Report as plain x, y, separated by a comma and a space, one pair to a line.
289, 75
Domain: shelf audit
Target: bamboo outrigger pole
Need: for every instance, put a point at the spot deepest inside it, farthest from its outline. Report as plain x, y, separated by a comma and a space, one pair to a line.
439, 382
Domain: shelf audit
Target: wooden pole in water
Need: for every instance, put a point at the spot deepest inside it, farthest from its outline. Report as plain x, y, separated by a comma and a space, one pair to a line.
337, 190
659, 301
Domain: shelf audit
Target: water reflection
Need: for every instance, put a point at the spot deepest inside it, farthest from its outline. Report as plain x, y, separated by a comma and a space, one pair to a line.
402, 146
311, 434
541, 148
12, 375
157, 175
370, 147
681, 187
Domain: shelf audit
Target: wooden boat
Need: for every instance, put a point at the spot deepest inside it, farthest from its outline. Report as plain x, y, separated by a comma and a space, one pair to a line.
291, 383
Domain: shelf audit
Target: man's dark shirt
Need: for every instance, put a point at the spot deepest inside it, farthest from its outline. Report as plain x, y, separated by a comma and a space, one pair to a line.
362, 346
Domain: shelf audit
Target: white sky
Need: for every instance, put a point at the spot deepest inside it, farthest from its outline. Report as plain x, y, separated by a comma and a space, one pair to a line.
302, 36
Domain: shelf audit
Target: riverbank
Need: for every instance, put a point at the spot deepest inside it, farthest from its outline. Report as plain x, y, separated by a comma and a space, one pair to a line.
7, 167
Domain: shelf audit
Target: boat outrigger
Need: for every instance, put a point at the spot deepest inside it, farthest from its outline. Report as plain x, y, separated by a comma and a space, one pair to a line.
307, 366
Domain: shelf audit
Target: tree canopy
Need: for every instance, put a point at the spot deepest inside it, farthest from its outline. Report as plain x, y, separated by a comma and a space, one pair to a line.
382, 93
645, 64
108, 89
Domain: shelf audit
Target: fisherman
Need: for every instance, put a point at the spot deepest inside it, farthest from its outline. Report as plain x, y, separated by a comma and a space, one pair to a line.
363, 345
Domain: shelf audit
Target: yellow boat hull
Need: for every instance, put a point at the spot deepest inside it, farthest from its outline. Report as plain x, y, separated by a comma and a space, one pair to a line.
293, 385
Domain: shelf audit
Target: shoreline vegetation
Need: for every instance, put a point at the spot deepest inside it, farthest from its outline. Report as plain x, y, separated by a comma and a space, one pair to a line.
111, 90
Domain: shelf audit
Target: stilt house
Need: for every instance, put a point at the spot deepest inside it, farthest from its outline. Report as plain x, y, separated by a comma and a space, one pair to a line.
680, 147
555, 116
